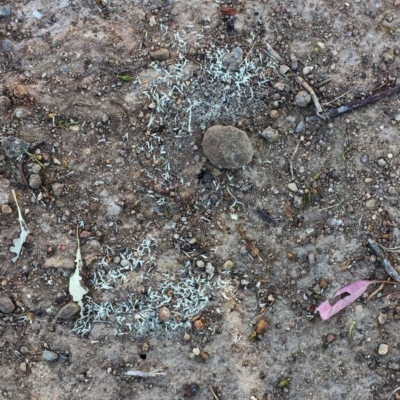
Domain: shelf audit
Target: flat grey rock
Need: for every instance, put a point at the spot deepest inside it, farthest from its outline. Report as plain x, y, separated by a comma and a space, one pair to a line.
14, 147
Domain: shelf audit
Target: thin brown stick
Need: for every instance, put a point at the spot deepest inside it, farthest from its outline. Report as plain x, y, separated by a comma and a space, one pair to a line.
212, 391
355, 104
272, 53
317, 105
375, 292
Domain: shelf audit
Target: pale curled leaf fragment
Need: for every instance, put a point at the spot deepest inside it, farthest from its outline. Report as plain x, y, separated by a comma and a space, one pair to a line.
145, 374
18, 242
353, 291
76, 289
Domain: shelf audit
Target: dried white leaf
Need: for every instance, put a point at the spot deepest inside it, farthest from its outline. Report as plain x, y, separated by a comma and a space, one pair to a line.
76, 289
18, 242
145, 374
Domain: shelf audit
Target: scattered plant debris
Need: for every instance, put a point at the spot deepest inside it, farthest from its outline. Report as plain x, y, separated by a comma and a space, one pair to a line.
18, 242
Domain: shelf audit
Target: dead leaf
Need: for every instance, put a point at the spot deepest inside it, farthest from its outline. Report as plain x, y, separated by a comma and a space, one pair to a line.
18, 242
353, 291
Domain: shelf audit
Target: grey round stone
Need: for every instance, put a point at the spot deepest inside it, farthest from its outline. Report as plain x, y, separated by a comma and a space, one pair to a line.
364, 158
69, 310
300, 127
14, 147
227, 147
233, 59
270, 134
302, 99
6, 45
5, 103
49, 355
35, 181
6, 305
381, 162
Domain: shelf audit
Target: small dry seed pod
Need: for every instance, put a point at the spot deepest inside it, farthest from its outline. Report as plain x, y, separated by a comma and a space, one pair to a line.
164, 314
261, 326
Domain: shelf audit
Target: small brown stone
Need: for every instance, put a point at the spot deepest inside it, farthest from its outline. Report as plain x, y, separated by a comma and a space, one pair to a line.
19, 91
69, 310
198, 324
274, 114
323, 284
164, 314
330, 337
160, 54
6, 209
261, 326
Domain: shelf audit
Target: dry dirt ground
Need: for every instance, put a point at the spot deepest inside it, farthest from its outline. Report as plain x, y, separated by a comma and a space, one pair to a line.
112, 99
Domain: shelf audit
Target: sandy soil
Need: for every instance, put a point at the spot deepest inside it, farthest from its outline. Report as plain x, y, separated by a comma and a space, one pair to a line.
112, 99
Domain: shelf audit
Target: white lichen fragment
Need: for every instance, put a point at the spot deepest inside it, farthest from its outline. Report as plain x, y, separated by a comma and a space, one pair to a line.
76, 289
19, 241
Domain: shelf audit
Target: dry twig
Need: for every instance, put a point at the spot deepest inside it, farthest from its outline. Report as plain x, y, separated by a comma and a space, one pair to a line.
291, 160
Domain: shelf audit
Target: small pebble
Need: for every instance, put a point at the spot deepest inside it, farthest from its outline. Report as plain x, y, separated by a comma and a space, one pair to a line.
69, 310
334, 223
364, 158
24, 350
200, 264
196, 351
5, 12
307, 70
270, 134
164, 314
6, 305
160, 54
210, 269
57, 189
382, 318
381, 162
370, 203
35, 181
49, 355
293, 187
274, 114
6, 209
383, 349
300, 127
391, 190
22, 367
330, 337
227, 265
233, 60
311, 259
302, 99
